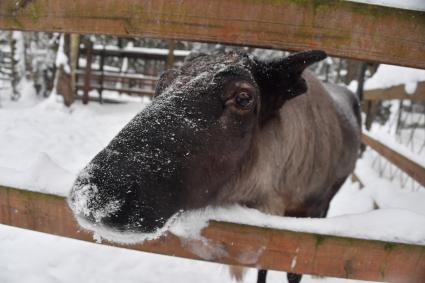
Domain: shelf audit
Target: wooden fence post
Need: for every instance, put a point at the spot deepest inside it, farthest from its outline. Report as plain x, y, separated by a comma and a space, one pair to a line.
73, 58
170, 57
64, 78
101, 77
87, 75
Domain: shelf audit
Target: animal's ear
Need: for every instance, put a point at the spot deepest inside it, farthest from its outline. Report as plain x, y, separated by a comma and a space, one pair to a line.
280, 80
165, 80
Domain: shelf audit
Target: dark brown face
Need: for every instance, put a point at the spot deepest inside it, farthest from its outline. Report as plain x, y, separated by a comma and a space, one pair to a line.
179, 151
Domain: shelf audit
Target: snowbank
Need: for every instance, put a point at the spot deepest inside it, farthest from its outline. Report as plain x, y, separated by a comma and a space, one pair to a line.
43, 146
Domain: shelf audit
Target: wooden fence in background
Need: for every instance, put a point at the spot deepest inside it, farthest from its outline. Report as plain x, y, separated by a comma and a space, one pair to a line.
341, 28
411, 168
396, 92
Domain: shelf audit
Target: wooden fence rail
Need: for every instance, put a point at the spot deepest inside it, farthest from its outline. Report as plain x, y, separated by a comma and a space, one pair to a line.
342, 28
238, 244
179, 55
396, 92
411, 168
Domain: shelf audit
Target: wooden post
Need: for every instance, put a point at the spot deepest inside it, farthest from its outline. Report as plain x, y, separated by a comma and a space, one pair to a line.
87, 74
64, 78
73, 58
101, 77
170, 57
361, 80
13, 68
372, 107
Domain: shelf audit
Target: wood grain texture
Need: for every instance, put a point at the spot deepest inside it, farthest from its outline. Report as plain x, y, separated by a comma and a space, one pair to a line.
396, 92
411, 168
341, 28
237, 244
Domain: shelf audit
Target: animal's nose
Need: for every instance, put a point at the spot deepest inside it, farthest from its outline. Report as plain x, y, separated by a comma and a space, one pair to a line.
89, 204
94, 207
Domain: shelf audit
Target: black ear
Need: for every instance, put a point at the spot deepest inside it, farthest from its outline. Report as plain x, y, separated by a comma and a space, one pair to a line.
280, 80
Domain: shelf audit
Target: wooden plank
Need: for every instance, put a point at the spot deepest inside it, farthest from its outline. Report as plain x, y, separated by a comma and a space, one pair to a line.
118, 75
170, 57
396, 92
341, 28
134, 54
237, 244
135, 91
411, 168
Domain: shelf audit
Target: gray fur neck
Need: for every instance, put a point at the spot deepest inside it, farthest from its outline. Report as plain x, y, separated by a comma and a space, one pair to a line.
299, 155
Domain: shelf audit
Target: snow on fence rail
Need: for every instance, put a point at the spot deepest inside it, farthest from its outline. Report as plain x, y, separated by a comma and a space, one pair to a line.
136, 52
342, 28
396, 92
238, 244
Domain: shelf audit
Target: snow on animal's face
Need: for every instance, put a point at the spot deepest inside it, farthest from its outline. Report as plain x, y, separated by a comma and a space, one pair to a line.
189, 143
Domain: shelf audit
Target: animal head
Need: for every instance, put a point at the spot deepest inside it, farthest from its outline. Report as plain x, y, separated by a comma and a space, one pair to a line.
192, 141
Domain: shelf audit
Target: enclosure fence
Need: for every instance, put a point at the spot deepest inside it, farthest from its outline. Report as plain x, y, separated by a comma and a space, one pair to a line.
341, 28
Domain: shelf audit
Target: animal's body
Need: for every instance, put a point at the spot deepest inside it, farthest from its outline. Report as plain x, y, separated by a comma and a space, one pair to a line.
225, 129
303, 154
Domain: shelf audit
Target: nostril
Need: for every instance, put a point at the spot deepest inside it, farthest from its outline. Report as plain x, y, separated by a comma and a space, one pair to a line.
86, 202
82, 199
107, 210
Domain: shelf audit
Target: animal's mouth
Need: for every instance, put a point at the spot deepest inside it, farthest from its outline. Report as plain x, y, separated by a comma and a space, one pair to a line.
120, 235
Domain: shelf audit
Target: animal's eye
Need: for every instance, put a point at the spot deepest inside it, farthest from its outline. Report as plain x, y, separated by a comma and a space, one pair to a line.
240, 96
243, 99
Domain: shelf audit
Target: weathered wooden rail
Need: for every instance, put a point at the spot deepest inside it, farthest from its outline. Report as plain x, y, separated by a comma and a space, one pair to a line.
238, 244
143, 54
137, 84
133, 84
411, 168
396, 92
342, 28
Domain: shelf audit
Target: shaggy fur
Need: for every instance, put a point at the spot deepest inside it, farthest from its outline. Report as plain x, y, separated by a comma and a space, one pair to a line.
299, 156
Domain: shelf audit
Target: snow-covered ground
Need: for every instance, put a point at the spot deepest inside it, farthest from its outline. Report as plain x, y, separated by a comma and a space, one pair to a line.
43, 145
33, 257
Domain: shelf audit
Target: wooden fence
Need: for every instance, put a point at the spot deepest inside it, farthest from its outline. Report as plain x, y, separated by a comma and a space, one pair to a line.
130, 84
87, 78
238, 244
341, 28
411, 168
396, 92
